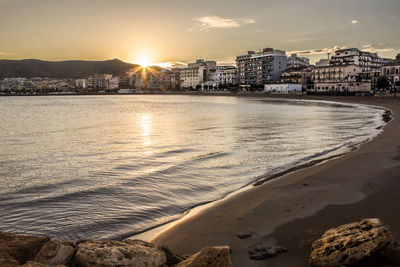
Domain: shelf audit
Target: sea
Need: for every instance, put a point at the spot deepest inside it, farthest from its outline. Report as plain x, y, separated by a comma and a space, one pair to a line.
109, 167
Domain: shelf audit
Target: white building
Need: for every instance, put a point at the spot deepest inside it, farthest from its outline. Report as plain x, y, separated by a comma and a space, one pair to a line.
353, 56
339, 73
226, 75
192, 77
283, 88
293, 61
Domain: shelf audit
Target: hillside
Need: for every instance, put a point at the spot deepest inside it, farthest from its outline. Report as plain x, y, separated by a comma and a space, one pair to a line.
61, 69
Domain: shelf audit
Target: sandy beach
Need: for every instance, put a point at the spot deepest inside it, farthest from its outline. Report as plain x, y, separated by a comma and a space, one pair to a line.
295, 209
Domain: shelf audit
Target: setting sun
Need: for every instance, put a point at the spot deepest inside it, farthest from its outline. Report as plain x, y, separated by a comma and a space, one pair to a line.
144, 61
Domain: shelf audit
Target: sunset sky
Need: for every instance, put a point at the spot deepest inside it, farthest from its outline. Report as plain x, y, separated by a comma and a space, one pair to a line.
183, 30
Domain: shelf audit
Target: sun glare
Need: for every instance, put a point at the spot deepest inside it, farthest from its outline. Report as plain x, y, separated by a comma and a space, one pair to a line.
144, 61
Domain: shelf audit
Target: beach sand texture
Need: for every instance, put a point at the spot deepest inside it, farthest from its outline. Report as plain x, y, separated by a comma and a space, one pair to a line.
297, 208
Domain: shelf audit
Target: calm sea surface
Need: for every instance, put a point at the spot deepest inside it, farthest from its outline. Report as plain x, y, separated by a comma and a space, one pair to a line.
76, 167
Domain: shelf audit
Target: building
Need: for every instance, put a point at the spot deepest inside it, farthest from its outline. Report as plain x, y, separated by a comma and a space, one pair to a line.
299, 75
353, 56
226, 75
197, 73
281, 88
260, 68
209, 67
322, 63
343, 87
340, 79
192, 77
392, 71
339, 73
293, 61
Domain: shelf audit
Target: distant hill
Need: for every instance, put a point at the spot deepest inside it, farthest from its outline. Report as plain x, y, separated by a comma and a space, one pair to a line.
61, 69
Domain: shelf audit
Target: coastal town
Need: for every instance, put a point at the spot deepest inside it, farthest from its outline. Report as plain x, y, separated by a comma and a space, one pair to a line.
348, 71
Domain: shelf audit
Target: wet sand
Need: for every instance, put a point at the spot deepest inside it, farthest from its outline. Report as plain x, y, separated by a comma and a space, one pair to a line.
296, 208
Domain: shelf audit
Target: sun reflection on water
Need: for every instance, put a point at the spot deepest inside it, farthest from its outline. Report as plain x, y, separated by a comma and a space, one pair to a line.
145, 123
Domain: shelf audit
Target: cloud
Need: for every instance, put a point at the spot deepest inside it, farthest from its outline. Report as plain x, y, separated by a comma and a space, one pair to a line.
371, 48
354, 21
216, 22
316, 51
4, 54
171, 64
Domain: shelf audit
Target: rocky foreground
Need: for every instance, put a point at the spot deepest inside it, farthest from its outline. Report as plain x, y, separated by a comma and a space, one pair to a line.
30, 251
365, 243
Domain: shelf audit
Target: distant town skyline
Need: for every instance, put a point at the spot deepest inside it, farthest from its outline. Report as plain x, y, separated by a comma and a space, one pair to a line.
182, 31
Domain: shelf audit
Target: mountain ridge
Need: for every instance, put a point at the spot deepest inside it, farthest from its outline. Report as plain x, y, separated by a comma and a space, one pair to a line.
29, 68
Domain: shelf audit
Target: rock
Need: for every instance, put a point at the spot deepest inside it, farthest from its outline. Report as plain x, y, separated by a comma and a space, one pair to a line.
350, 243
7, 260
210, 257
55, 252
262, 252
172, 257
37, 264
20, 247
244, 235
118, 253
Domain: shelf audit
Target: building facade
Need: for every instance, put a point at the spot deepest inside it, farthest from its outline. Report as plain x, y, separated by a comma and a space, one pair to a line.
293, 61
226, 75
392, 72
353, 56
299, 75
260, 68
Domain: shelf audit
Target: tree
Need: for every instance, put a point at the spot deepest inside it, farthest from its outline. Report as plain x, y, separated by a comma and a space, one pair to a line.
383, 82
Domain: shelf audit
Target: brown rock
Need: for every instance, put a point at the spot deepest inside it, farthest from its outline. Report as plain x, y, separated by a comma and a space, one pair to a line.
118, 253
210, 257
37, 264
350, 243
263, 252
7, 260
172, 257
55, 252
20, 247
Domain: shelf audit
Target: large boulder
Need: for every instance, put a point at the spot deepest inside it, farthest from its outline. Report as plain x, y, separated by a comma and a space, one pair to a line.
55, 252
21, 248
118, 253
350, 243
209, 257
37, 264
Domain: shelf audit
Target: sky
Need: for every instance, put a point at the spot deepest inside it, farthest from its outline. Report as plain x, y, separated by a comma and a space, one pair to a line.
185, 30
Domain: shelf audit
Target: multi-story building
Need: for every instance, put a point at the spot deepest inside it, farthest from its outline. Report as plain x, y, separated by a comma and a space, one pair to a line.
192, 77
298, 75
197, 73
339, 79
322, 63
226, 75
293, 61
209, 67
260, 68
353, 56
392, 71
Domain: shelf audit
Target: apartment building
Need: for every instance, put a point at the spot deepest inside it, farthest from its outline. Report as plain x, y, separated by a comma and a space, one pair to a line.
197, 73
192, 77
225, 75
392, 72
353, 56
340, 79
299, 75
258, 68
293, 61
